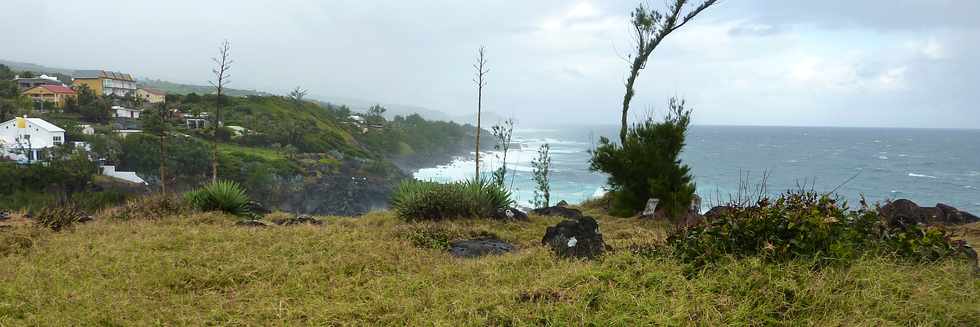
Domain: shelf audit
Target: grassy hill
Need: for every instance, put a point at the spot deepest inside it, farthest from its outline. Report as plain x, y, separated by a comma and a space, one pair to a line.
200, 269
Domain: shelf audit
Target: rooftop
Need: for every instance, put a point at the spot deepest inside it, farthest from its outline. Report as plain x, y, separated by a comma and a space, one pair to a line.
57, 88
89, 74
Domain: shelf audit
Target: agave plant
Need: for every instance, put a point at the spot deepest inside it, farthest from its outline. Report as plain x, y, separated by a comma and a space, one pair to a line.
226, 196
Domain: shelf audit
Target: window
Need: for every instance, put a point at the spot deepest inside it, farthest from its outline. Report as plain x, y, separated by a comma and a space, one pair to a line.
57, 138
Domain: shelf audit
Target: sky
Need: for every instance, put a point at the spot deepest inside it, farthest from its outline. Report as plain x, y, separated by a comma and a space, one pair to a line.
869, 63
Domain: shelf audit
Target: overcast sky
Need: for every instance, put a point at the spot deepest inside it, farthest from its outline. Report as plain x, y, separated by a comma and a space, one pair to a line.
896, 63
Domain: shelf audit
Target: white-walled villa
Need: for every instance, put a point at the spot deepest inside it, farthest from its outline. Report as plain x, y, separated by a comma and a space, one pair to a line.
22, 138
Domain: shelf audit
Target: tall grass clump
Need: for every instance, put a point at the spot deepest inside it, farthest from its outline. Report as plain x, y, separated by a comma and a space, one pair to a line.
150, 207
59, 217
810, 226
421, 200
225, 196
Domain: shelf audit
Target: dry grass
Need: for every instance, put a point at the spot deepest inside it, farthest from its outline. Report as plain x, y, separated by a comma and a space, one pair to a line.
201, 270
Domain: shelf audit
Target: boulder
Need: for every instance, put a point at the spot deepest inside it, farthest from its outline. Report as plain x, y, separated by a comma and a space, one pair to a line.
569, 213
4, 215
299, 220
903, 212
718, 212
85, 218
578, 238
479, 247
251, 223
562, 204
510, 214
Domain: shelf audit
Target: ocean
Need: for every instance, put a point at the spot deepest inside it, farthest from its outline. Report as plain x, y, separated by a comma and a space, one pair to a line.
927, 166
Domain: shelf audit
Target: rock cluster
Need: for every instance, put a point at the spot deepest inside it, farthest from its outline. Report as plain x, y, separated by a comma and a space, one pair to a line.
904, 212
560, 211
299, 220
575, 238
479, 247
510, 214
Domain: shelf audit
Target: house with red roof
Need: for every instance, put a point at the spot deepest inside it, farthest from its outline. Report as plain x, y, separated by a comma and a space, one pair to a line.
56, 94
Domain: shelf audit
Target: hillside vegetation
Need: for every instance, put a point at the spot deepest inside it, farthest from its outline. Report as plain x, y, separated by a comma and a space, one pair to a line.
200, 269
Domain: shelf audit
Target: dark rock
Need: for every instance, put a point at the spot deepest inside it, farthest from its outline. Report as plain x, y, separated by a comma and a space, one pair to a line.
4, 215
969, 218
256, 207
562, 204
903, 212
85, 219
251, 223
569, 213
717, 212
479, 247
299, 220
579, 238
510, 214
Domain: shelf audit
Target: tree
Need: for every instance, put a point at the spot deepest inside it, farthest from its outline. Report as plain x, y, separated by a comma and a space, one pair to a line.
650, 27
503, 133
376, 114
648, 165
6, 73
297, 95
157, 122
542, 176
222, 77
89, 105
480, 80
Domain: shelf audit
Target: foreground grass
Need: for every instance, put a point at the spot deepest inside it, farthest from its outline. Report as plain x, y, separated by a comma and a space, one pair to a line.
202, 270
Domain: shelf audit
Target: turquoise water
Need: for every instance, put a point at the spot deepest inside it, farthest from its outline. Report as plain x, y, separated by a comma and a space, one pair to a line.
925, 165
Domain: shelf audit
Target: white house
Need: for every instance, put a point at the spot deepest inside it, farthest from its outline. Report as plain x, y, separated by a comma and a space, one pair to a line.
123, 112
87, 129
126, 132
30, 135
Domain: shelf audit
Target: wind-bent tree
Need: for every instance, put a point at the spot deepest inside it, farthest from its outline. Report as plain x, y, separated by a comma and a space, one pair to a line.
481, 73
221, 78
157, 122
650, 27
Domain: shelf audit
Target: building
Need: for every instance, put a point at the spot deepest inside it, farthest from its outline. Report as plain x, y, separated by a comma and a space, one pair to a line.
28, 83
126, 132
56, 94
23, 138
87, 129
123, 112
151, 95
105, 82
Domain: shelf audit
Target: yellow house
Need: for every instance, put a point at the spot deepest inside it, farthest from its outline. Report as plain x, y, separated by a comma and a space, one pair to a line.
151, 95
50, 93
105, 82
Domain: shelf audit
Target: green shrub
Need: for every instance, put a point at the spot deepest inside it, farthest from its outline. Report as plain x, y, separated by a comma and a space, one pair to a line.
418, 200
226, 196
806, 225
59, 217
648, 165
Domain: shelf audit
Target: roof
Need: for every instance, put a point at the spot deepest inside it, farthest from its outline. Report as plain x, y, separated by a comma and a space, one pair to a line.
57, 89
153, 91
91, 74
39, 123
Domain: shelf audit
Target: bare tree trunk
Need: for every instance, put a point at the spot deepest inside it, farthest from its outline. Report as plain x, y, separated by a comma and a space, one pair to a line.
163, 162
481, 73
223, 66
650, 27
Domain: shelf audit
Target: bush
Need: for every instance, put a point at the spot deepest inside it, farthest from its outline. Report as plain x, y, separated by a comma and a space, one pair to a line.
59, 217
223, 196
647, 165
156, 206
806, 225
417, 200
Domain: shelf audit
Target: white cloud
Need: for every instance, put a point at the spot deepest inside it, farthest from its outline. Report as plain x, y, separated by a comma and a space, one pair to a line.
893, 78
932, 48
